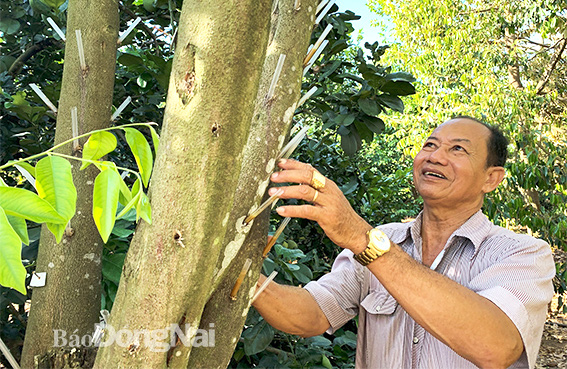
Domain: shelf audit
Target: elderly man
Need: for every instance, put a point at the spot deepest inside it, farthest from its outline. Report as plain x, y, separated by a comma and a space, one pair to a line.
448, 290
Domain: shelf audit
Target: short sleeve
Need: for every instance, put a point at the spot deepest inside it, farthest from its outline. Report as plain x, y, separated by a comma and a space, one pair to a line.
517, 278
338, 293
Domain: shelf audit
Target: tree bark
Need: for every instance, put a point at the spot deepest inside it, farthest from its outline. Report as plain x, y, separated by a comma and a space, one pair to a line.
170, 265
220, 137
290, 34
70, 300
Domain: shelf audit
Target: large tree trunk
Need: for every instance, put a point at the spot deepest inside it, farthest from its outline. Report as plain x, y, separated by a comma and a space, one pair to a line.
290, 34
70, 300
219, 141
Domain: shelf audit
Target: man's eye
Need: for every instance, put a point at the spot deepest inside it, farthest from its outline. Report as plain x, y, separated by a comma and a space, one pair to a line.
428, 144
459, 148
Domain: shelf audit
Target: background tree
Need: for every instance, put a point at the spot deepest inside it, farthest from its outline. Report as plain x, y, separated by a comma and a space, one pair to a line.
503, 62
70, 299
351, 116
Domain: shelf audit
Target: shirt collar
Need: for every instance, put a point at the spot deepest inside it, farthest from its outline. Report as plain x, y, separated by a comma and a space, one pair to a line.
476, 229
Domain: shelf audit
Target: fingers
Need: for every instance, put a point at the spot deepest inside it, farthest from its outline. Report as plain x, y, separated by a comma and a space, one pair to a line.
292, 176
301, 192
300, 211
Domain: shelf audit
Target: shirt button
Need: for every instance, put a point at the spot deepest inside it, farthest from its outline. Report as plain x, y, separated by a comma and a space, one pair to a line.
378, 309
415, 340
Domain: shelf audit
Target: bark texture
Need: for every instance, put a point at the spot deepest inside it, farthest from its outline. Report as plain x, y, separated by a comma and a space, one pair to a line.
290, 33
70, 300
167, 278
220, 138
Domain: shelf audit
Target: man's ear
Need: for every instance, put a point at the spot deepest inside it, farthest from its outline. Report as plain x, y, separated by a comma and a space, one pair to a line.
494, 175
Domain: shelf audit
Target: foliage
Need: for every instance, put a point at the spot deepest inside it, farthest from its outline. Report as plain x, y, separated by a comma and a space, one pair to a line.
502, 62
54, 203
353, 90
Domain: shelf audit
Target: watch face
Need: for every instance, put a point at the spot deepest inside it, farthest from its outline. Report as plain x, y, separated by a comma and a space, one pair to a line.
379, 240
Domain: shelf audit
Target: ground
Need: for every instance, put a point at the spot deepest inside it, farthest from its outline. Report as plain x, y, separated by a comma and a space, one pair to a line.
553, 350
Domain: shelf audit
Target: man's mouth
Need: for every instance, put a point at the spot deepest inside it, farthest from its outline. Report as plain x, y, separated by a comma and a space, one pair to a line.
434, 174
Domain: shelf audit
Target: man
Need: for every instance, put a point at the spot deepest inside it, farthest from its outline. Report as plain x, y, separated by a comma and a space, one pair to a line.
448, 290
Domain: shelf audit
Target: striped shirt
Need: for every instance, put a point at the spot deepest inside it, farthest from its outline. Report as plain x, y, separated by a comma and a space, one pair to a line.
513, 271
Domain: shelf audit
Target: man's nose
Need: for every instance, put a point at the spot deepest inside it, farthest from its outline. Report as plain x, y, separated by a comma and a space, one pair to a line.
438, 156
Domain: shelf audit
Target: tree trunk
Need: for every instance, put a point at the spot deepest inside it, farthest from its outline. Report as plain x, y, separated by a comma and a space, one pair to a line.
219, 141
70, 300
290, 34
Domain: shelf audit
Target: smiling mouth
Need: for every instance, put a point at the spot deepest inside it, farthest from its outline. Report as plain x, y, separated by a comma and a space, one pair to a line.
436, 175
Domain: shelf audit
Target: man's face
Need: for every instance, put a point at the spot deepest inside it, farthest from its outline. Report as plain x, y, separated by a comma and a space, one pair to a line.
450, 170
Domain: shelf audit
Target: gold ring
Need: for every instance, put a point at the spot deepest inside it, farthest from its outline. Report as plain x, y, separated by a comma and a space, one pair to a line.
317, 181
315, 197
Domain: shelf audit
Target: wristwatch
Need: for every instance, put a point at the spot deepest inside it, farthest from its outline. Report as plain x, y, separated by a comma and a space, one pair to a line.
378, 245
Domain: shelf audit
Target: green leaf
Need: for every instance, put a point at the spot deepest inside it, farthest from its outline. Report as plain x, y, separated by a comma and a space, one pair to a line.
125, 194
112, 266
376, 125
27, 166
26, 204
54, 183
12, 271
392, 102
129, 60
331, 69
400, 88
98, 145
257, 338
19, 225
325, 362
400, 76
9, 26
136, 192
144, 209
369, 106
155, 139
105, 201
142, 153
55, 4
350, 186
349, 145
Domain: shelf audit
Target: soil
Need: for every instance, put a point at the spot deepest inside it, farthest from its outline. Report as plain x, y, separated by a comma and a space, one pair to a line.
553, 350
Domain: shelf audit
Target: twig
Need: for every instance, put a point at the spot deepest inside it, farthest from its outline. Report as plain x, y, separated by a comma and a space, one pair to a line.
549, 71
21, 60
241, 277
47, 152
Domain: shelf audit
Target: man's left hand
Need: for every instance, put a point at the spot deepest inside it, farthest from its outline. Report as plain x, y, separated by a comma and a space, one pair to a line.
329, 207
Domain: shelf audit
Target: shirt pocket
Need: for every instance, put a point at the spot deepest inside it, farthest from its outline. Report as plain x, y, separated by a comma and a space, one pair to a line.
379, 302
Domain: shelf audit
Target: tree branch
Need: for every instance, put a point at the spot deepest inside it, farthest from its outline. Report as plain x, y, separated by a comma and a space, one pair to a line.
19, 63
543, 82
145, 28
